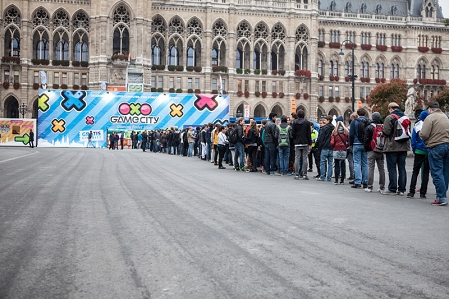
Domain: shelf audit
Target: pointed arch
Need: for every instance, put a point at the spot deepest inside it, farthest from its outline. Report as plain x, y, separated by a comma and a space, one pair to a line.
334, 110
40, 17
12, 40
195, 27
61, 18
81, 20
260, 110
244, 30
12, 15
176, 25
159, 25
278, 32
220, 28
320, 112
239, 109
279, 109
11, 107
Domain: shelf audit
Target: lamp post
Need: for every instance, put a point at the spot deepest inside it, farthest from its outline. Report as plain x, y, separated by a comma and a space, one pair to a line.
352, 76
23, 109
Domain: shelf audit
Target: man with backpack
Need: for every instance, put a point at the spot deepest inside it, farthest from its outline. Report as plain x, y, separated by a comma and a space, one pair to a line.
302, 139
356, 139
271, 139
374, 146
237, 138
284, 132
397, 144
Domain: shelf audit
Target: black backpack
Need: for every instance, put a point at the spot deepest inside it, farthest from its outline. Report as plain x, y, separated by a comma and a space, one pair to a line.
361, 126
184, 137
233, 136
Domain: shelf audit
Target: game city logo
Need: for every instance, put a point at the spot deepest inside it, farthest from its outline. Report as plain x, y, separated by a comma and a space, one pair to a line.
134, 113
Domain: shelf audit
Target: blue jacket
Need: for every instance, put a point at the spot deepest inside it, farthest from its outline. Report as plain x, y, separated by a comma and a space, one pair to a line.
353, 131
417, 142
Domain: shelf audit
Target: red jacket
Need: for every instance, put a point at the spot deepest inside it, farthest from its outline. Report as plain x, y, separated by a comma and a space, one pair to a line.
339, 142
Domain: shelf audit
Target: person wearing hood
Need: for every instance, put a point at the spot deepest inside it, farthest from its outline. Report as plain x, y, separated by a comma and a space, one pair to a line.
420, 160
356, 139
375, 155
325, 148
302, 139
395, 153
435, 134
339, 142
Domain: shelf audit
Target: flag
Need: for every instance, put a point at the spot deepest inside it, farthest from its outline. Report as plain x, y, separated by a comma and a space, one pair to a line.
43, 77
293, 105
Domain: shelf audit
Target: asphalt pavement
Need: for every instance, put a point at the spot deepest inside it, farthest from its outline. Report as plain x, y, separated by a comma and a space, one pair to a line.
98, 223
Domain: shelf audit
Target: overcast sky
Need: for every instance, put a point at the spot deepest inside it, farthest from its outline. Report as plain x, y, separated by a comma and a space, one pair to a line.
445, 6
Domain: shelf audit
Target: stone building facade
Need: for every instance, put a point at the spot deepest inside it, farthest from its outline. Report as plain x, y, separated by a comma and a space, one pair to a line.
262, 53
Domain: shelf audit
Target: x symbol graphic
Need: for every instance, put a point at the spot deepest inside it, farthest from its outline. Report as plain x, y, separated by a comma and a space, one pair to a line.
135, 109
58, 125
176, 110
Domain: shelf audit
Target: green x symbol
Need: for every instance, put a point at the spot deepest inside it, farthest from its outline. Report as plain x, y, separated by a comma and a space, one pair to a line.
135, 109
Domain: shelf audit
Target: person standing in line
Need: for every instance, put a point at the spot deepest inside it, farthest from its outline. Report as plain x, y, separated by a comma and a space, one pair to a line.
144, 140
326, 149
356, 140
221, 145
116, 139
251, 142
375, 155
284, 136
302, 139
435, 134
31, 141
339, 142
395, 153
350, 155
139, 140
420, 160
122, 139
271, 139
239, 146
111, 140
313, 153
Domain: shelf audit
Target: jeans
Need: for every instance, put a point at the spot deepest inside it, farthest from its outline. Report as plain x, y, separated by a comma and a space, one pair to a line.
340, 169
350, 158
326, 155
419, 161
270, 157
396, 159
439, 168
284, 154
190, 151
301, 153
239, 153
360, 165
373, 158
208, 150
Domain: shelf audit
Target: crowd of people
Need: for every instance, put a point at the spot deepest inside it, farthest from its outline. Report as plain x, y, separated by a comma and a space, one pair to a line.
289, 145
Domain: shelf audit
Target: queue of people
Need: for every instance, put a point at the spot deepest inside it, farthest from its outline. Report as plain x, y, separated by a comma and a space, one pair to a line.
288, 145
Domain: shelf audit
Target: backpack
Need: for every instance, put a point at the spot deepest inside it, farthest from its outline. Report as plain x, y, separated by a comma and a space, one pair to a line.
176, 137
283, 136
378, 138
361, 126
233, 136
401, 128
184, 138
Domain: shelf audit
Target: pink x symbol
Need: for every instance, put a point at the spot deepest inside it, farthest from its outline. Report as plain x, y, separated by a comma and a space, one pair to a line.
203, 101
90, 120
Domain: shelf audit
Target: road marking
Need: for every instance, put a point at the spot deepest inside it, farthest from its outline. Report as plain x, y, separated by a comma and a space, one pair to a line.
18, 157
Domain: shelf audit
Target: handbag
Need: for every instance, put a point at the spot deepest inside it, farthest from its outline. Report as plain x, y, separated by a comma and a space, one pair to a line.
339, 155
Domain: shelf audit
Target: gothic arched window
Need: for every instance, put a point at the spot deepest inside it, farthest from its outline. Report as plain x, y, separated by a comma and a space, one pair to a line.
121, 22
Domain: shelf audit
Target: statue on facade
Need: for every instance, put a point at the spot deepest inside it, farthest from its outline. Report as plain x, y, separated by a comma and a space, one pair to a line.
411, 102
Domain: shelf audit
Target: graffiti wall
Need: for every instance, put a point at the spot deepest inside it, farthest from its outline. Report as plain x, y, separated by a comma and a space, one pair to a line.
16, 132
66, 117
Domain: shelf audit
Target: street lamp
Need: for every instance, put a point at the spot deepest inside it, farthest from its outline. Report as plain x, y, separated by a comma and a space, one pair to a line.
352, 76
23, 109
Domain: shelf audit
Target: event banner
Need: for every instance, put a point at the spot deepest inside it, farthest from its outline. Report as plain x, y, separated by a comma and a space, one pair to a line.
16, 131
65, 117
